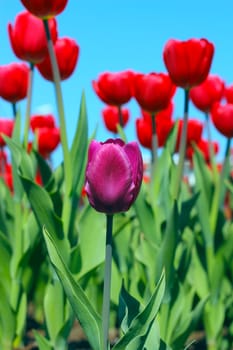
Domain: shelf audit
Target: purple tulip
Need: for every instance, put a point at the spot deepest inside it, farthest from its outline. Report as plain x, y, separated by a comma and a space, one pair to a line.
113, 175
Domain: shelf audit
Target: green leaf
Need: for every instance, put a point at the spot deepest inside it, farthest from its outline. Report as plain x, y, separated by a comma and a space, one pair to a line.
42, 342
128, 308
84, 311
7, 319
143, 321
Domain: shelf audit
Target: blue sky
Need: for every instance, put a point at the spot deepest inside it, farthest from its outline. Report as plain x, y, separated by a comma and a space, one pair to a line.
115, 35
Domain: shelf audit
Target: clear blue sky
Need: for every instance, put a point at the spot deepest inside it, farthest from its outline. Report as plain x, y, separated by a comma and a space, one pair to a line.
115, 35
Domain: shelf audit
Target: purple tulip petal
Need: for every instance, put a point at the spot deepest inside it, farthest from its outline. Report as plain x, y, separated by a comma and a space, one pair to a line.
93, 148
133, 152
109, 179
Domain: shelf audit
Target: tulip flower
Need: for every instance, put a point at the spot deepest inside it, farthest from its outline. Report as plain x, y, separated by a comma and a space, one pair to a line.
14, 81
67, 53
206, 94
6, 128
40, 121
164, 114
204, 147
222, 117
144, 131
194, 132
228, 93
48, 140
114, 88
110, 116
113, 175
28, 39
45, 8
153, 91
188, 62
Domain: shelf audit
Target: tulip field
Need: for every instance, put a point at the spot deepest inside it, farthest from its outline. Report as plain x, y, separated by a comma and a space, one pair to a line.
108, 250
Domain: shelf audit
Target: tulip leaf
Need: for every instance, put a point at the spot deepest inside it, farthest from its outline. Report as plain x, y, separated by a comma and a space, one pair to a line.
79, 148
141, 323
84, 311
42, 342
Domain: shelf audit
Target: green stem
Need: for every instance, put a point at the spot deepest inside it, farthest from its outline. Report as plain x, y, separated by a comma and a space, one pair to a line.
120, 115
64, 141
28, 107
219, 189
14, 109
182, 147
211, 148
107, 282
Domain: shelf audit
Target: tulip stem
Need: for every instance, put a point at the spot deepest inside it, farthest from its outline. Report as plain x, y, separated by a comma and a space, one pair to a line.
64, 141
182, 147
121, 121
107, 282
28, 107
14, 109
210, 147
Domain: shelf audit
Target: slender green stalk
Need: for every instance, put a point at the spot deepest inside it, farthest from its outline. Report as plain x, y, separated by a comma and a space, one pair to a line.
210, 147
219, 193
64, 141
28, 107
120, 115
182, 147
107, 282
14, 109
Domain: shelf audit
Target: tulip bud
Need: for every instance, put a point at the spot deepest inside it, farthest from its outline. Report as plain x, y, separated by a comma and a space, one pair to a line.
113, 175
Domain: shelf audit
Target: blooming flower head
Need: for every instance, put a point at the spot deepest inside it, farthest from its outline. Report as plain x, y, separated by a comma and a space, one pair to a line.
14, 81
27, 37
111, 118
44, 8
67, 53
39, 121
228, 93
6, 128
188, 62
153, 91
206, 94
113, 175
114, 88
222, 117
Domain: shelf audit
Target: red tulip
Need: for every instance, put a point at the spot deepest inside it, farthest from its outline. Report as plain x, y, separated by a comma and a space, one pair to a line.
48, 140
153, 91
7, 176
14, 81
228, 93
194, 132
203, 146
67, 52
28, 39
165, 114
204, 95
41, 121
188, 62
222, 117
110, 116
6, 128
144, 131
45, 8
114, 88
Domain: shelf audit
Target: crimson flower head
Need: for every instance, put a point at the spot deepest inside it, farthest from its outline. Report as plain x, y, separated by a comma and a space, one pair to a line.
206, 94
40, 121
67, 53
27, 37
114, 88
110, 116
228, 93
222, 117
113, 175
153, 91
44, 8
6, 128
194, 132
14, 79
48, 140
188, 62
203, 146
